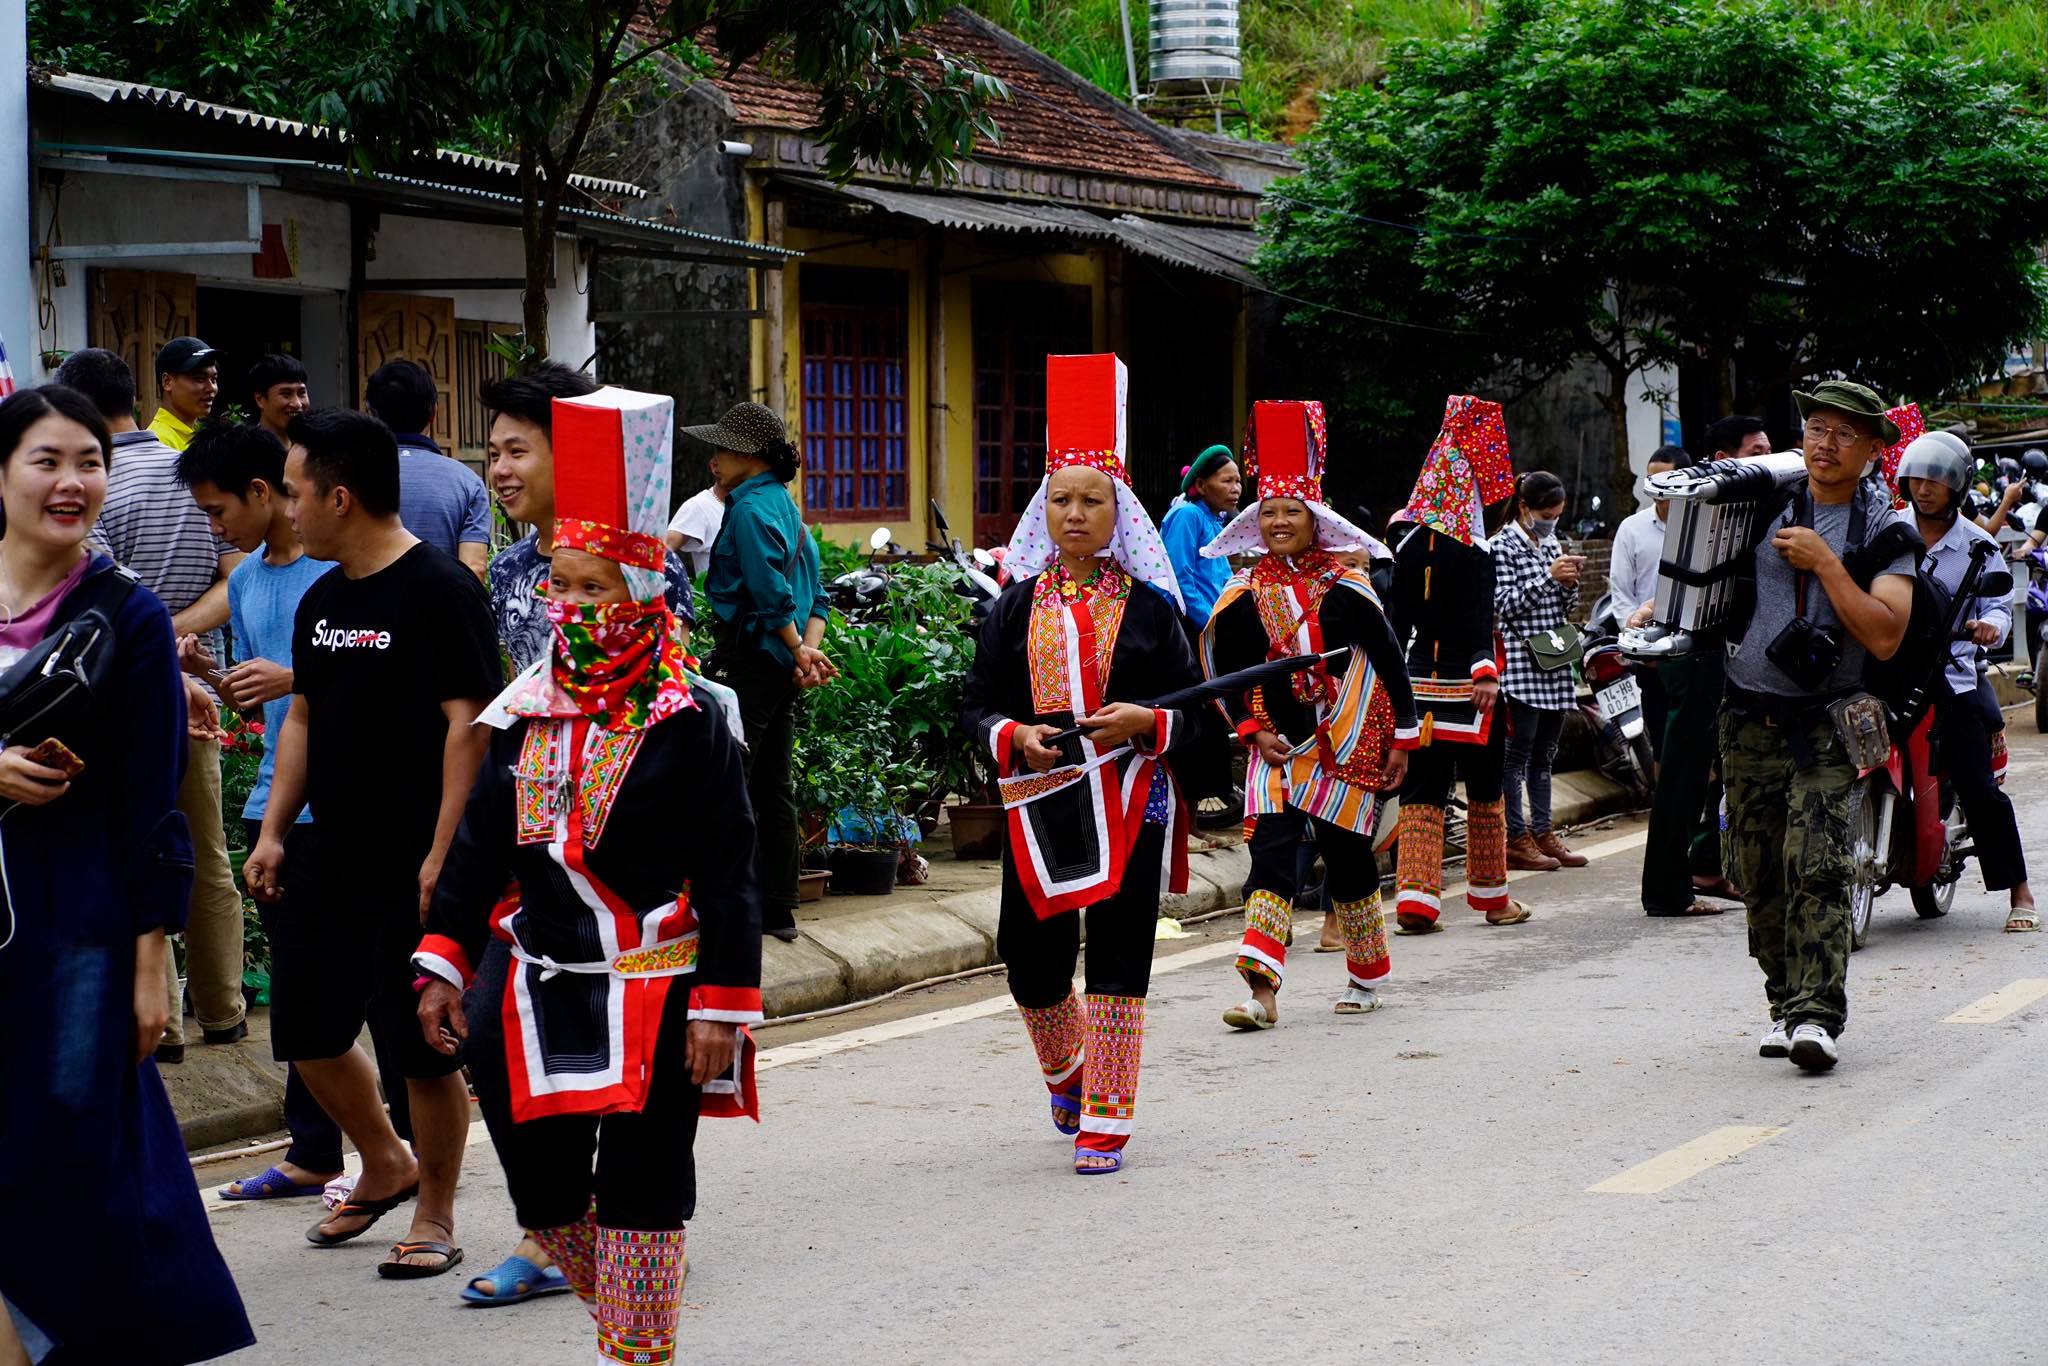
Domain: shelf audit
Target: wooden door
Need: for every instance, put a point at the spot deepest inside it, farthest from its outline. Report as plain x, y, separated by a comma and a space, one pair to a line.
414, 327
133, 313
1017, 324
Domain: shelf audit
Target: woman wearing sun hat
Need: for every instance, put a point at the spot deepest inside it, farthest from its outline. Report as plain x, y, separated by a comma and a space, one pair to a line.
766, 591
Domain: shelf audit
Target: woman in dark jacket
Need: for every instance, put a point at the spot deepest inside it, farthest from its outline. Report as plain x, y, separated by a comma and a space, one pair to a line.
95, 868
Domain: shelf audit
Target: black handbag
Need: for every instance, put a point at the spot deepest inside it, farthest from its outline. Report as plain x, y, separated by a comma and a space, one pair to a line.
49, 690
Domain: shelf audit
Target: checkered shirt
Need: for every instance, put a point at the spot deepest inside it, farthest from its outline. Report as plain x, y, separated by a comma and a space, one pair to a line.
1528, 600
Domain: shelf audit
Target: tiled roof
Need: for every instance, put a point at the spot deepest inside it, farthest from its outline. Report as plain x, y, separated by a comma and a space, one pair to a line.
1053, 119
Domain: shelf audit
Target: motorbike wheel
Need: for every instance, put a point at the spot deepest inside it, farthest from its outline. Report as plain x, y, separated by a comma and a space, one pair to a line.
1938, 897
1646, 761
1866, 862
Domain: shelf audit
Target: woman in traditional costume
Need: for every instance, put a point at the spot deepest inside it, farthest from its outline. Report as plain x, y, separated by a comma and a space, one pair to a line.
1209, 489
1443, 610
1325, 742
1096, 825
636, 935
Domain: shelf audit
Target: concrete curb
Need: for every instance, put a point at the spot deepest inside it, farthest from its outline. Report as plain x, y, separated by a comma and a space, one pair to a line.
229, 1094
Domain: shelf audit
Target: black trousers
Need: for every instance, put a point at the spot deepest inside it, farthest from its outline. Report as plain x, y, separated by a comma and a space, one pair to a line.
1433, 768
1350, 872
1041, 954
316, 1138
1685, 808
640, 1166
1963, 725
767, 692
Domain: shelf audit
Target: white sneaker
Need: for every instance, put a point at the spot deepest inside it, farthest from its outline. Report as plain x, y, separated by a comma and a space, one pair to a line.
1775, 1043
1812, 1049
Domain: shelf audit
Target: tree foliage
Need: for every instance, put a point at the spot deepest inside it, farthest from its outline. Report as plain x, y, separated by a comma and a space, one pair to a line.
529, 79
1640, 182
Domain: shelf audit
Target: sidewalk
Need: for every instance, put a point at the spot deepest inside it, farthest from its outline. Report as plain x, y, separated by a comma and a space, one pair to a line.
851, 948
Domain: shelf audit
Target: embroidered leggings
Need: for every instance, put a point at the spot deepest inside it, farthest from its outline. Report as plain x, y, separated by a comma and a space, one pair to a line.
1351, 885
638, 1167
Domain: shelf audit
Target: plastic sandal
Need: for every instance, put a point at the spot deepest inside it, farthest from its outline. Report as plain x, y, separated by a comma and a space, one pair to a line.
1070, 1101
1357, 1001
272, 1185
450, 1255
1249, 1015
1116, 1162
2022, 920
517, 1272
372, 1209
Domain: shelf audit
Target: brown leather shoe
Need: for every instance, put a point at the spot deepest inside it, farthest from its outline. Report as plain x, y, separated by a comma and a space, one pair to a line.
1524, 856
1550, 844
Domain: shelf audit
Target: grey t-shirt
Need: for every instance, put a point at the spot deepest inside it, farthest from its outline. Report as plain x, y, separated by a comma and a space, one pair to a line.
1777, 605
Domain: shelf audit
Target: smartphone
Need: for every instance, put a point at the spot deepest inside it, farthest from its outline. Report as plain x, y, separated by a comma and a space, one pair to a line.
54, 753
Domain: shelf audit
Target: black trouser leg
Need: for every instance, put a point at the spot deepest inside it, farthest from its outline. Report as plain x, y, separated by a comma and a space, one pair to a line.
1963, 728
767, 694
1041, 954
639, 1167
1276, 841
1693, 686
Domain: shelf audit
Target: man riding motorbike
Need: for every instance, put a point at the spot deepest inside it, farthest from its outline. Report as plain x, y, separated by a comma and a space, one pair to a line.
1934, 472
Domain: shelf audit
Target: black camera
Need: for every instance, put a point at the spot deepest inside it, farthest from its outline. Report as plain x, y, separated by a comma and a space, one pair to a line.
1805, 653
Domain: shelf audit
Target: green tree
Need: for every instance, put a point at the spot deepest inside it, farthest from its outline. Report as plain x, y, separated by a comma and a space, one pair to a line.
1636, 182
531, 78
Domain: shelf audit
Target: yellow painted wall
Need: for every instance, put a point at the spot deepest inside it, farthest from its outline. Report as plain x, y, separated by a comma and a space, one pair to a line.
964, 257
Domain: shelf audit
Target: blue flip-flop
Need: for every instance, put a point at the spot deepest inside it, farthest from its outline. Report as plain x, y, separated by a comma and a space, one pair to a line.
514, 1271
272, 1185
1070, 1101
1116, 1164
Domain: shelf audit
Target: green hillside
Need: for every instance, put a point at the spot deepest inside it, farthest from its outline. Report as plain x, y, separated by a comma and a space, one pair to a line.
1293, 48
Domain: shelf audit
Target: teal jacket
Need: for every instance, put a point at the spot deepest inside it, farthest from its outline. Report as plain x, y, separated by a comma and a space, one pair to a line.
764, 566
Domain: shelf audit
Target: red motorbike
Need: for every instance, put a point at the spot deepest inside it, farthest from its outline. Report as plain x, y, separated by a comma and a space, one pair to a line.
1907, 827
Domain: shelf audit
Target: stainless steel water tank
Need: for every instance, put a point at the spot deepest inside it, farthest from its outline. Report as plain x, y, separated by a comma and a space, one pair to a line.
1193, 46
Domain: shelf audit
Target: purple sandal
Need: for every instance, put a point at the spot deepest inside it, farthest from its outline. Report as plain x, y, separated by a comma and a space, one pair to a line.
272, 1185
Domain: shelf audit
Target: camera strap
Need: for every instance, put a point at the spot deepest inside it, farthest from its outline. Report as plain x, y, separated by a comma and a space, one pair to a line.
1802, 515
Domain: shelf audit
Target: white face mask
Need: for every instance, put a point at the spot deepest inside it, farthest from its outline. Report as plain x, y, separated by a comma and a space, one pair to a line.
1541, 529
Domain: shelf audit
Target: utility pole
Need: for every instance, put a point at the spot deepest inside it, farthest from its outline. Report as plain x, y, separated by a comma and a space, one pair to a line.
17, 228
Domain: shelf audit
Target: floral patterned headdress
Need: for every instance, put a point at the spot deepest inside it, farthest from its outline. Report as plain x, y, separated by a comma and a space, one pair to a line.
1906, 417
1467, 468
1286, 443
1085, 402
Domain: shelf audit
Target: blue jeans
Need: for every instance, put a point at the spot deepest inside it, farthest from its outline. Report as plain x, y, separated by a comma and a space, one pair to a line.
1532, 749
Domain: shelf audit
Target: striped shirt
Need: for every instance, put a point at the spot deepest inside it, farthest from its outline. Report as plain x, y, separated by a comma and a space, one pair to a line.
151, 525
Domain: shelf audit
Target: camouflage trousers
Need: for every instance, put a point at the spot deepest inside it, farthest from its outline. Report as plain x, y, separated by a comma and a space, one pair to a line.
1789, 849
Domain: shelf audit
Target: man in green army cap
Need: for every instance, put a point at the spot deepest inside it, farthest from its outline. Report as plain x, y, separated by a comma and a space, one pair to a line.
1833, 586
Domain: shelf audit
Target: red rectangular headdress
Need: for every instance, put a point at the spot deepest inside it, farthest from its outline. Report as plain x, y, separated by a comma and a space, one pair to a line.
1286, 443
1085, 400
613, 464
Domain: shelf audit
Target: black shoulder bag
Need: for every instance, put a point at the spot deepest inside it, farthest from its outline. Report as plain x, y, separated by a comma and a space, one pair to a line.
49, 690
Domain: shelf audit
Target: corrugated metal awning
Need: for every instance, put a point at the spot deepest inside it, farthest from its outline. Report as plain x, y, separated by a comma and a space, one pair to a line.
157, 97
1222, 252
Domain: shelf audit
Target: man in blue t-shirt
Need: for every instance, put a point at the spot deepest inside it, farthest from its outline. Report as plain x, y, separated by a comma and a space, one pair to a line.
440, 500
234, 474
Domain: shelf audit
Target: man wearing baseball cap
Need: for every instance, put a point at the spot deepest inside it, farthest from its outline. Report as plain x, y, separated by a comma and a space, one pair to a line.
187, 382
1833, 587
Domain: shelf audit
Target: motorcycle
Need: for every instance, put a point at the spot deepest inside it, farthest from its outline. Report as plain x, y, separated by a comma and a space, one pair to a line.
857, 593
2035, 679
1617, 711
977, 570
1906, 827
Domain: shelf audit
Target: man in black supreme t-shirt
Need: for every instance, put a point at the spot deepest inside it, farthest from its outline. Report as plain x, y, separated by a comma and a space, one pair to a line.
393, 657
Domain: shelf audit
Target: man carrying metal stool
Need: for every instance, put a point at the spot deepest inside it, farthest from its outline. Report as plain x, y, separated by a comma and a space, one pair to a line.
1829, 592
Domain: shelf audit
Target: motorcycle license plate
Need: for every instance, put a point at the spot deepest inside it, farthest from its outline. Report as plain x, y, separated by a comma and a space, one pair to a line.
1619, 698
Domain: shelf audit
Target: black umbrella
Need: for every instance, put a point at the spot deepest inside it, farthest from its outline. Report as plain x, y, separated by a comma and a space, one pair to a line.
1223, 685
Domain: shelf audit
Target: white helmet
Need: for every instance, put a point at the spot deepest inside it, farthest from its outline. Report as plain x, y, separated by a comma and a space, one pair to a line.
1941, 456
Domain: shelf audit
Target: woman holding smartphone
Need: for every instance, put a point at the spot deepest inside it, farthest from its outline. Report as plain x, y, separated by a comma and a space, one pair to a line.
95, 870
1534, 585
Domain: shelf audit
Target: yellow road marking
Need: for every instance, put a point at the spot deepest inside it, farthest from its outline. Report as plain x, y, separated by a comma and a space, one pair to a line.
2001, 1002
1687, 1160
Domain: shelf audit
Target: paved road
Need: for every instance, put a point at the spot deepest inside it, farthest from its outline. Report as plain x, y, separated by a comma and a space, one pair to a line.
1412, 1186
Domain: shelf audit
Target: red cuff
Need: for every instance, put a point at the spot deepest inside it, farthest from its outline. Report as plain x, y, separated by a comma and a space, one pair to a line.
1247, 728
734, 1005
1485, 669
442, 957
